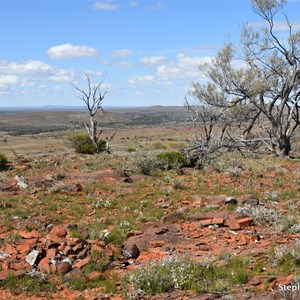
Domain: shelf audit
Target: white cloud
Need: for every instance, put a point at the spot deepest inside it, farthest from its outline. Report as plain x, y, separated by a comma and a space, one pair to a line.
8, 79
37, 70
152, 60
116, 63
62, 75
27, 67
122, 52
283, 26
65, 51
106, 5
141, 79
123, 64
278, 25
182, 68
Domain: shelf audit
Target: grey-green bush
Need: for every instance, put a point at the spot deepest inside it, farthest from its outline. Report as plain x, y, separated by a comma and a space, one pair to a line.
82, 143
3, 161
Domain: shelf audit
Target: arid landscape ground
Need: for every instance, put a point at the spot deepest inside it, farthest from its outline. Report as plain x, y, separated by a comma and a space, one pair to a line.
76, 226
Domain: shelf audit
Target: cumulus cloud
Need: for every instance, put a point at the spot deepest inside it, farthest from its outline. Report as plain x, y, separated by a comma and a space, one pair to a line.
27, 67
122, 52
183, 67
65, 51
8, 79
34, 68
152, 60
106, 5
142, 79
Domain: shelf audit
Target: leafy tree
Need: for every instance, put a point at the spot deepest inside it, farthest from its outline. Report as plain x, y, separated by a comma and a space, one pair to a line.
261, 77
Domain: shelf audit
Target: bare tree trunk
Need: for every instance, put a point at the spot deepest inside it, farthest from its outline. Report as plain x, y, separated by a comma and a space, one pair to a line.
93, 131
284, 146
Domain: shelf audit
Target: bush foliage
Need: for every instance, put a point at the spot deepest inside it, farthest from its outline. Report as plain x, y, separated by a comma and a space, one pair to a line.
172, 160
3, 161
82, 143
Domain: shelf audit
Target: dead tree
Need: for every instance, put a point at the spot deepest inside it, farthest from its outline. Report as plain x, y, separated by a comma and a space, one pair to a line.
93, 98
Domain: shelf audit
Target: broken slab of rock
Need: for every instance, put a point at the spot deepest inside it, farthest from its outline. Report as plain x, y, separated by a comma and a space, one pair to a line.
21, 182
32, 257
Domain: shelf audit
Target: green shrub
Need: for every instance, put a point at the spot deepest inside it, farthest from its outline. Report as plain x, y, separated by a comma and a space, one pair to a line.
172, 160
146, 165
82, 143
3, 161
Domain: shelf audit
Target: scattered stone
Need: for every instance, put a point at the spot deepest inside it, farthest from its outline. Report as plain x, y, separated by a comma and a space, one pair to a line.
248, 199
82, 262
64, 267
128, 180
173, 217
76, 272
32, 257
59, 231
4, 274
4, 255
156, 244
94, 275
131, 251
230, 200
21, 182
6, 187
29, 235
233, 224
19, 265
245, 222
44, 265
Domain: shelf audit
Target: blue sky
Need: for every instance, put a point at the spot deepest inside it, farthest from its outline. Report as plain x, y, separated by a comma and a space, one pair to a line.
149, 50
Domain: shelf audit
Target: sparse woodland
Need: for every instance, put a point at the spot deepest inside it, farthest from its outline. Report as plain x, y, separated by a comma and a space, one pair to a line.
197, 202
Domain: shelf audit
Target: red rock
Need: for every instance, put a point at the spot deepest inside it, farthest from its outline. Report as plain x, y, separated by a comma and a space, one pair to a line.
64, 267
77, 272
94, 275
29, 235
53, 268
245, 222
44, 265
26, 245
59, 231
97, 248
82, 262
51, 253
216, 221
4, 274
206, 222
255, 238
244, 240
233, 224
156, 244
82, 253
54, 238
9, 249
133, 233
19, 265
66, 250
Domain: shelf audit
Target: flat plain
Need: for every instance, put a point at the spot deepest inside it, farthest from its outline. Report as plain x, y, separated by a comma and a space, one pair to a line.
112, 226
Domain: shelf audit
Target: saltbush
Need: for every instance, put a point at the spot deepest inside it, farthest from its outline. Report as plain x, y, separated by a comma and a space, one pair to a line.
3, 161
82, 143
172, 160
